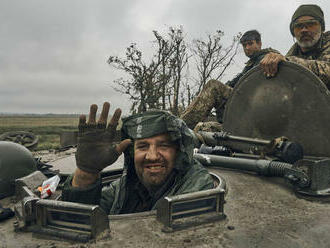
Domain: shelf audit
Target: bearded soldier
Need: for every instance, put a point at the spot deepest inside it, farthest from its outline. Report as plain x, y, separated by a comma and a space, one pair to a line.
158, 149
312, 49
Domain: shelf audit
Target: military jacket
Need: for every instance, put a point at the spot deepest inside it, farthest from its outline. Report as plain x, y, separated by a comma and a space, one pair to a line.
317, 60
253, 61
127, 194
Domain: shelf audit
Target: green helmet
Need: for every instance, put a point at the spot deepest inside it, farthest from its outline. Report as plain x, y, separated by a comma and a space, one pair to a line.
15, 161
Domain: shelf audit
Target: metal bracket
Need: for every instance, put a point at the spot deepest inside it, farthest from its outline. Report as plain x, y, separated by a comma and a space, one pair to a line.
176, 208
68, 220
319, 173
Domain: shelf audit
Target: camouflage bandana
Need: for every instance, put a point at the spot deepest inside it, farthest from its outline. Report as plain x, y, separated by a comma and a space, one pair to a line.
308, 10
146, 125
156, 122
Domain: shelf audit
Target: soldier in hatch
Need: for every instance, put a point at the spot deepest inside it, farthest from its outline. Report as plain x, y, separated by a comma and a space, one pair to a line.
312, 48
215, 94
159, 162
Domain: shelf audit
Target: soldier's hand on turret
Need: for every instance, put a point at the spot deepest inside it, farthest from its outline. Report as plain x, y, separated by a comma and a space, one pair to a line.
96, 147
270, 62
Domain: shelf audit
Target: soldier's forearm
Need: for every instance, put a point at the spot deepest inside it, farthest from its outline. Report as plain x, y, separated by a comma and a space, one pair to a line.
82, 179
320, 68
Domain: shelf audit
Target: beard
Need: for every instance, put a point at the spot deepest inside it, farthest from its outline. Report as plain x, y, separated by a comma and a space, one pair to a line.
312, 39
153, 180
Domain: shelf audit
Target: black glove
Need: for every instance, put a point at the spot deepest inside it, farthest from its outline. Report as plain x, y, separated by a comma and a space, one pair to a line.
96, 148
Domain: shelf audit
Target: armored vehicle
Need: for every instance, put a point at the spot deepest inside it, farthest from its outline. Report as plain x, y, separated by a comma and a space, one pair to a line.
271, 182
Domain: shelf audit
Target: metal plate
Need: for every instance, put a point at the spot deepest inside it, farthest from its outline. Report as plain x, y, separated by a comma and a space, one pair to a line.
295, 104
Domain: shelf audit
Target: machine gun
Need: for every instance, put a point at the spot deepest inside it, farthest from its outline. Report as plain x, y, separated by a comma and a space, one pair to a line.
222, 143
278, 158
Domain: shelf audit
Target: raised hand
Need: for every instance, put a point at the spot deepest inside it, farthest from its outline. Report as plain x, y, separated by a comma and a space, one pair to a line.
96, 147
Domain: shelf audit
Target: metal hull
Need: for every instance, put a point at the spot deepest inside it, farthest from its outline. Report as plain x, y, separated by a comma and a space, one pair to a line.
295, 104
261, 212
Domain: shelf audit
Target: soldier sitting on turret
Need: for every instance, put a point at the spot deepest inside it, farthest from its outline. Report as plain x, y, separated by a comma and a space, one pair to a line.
312, 48
215, 94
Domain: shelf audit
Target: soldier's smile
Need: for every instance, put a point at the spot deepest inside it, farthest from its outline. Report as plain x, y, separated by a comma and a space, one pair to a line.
155, 167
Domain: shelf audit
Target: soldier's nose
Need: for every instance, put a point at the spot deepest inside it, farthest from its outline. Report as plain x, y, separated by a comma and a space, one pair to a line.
152, 153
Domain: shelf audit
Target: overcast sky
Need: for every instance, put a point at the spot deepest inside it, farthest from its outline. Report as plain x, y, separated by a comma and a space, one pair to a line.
53, 53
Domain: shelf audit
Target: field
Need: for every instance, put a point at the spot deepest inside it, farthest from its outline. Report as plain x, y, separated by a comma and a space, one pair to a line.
46, 127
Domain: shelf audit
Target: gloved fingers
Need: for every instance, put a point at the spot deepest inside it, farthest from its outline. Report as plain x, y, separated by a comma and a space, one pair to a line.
123, 145
92, 115
114, 122
102, 122
82, 123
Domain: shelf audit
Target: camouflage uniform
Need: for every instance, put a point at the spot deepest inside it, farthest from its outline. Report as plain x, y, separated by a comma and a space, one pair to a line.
316, 60
215, 95
127, 194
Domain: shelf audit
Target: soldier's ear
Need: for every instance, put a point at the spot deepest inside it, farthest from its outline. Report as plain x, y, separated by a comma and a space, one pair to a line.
259, 43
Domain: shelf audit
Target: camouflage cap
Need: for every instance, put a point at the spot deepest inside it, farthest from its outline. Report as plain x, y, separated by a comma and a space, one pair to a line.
147, 124
308, 10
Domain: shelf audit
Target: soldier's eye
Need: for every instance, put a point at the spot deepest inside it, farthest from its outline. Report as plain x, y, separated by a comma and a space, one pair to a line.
166, 145
141, 146
307, 24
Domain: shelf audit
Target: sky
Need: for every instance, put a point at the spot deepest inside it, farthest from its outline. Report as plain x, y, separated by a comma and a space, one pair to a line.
53, 53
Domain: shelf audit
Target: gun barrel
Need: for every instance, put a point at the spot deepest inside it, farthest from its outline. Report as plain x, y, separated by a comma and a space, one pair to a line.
221, 138
260, 166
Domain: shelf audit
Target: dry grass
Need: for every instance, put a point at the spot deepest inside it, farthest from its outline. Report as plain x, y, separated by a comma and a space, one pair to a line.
46, 127
25, 121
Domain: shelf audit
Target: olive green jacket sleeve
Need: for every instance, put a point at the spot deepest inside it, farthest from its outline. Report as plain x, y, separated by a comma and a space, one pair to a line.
109, 198
318, 60
87, 195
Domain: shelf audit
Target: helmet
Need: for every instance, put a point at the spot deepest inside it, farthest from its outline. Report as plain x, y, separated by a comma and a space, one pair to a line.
15, 161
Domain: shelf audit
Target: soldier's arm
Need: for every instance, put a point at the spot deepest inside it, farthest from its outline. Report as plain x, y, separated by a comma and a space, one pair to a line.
320, 68
82, 179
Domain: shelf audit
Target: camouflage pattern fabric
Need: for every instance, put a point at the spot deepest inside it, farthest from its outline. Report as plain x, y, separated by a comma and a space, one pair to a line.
208, 126
316, 60
215, 95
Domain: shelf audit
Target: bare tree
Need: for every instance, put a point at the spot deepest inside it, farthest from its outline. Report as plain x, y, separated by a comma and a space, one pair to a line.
178, 62
165, 50
163, 82
211, 58
143, 86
